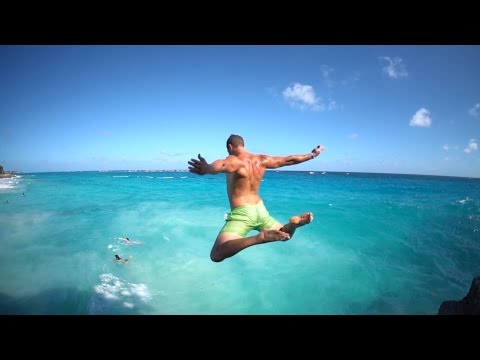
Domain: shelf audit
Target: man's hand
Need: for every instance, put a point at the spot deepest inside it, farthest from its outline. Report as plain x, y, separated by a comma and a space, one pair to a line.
199, 167
317, 150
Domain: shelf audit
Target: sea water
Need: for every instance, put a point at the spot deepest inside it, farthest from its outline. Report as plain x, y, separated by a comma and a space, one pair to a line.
378, 244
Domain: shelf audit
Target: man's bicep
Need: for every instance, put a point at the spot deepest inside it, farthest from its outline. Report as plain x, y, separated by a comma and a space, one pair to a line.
218, 166
273, 162
225, 166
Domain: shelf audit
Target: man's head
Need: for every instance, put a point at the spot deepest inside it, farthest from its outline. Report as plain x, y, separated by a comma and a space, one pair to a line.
233, 142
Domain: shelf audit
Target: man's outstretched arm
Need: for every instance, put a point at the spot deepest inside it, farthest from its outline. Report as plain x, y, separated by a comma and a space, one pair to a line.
273, 162
201, 167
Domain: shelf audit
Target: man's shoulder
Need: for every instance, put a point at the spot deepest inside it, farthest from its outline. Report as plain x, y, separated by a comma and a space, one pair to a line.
262, 157
259, 156
251, 156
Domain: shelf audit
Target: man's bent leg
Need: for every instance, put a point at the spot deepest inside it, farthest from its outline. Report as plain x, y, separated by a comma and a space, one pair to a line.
229, 244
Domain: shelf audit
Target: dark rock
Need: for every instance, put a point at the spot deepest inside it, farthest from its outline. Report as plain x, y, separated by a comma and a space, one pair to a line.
469, 305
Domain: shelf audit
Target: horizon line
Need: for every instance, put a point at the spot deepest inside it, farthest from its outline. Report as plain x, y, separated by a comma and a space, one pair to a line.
269, 170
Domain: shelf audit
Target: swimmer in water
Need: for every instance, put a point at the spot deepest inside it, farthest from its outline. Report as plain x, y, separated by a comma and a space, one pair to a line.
120, 260
127, 241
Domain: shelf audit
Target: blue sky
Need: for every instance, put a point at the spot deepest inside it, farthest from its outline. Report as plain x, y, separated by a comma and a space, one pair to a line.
387, 109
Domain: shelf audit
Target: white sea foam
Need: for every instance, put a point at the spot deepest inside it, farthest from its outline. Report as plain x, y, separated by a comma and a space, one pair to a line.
114, 290
112, 247
464, 200
6, 186
10, 183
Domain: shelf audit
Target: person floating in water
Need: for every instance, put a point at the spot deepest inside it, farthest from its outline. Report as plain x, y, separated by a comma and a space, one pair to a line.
127, 241
244, 174
120, 260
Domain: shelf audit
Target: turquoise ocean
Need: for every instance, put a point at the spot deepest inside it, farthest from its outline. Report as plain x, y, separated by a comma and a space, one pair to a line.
378, 244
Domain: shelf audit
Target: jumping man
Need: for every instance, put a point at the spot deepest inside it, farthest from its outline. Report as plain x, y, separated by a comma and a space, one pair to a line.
244, 174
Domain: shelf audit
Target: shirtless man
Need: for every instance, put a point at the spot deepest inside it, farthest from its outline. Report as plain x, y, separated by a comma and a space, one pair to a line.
244, 173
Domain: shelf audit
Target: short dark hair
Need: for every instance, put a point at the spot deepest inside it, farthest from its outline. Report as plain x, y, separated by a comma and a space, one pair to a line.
235, 141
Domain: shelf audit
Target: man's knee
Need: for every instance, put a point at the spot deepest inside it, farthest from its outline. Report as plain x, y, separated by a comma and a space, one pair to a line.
216, 258
215, 255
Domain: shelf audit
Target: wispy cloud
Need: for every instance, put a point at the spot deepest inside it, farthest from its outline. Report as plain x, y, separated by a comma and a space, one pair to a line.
303, 97
332, 105
475, 110
421, 118
353, 136
472, 146
326, 71
330, 82
351, 79
447, 147
394, 67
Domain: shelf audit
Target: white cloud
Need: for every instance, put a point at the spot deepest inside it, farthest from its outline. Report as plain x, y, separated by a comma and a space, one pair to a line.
421, 118
394, 68
303, 97
352, 136
472, 146
475, 110
446, 147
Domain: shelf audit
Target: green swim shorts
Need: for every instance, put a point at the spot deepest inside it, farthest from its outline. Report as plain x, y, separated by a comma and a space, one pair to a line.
249, 217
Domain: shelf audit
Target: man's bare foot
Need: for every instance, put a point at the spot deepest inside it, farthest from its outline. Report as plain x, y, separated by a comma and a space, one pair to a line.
273, 235
302, 219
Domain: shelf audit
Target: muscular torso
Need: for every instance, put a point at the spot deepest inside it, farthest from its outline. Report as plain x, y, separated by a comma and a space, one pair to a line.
243, 185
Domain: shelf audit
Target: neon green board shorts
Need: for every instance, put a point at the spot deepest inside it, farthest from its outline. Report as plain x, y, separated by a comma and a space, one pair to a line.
249, 217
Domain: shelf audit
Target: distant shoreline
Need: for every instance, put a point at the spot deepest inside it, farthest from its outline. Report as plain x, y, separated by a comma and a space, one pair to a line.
4, 176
